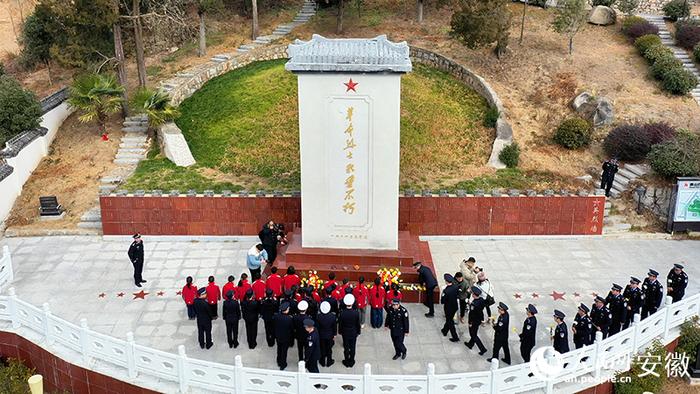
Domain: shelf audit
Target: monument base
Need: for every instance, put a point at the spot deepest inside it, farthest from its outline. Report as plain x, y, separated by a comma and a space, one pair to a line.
353, 263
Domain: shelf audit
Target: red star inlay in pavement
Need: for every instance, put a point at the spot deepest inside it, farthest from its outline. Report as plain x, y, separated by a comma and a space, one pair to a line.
141, 294
557, 296
179, 293
120, 294
350, 85
517, 296
160, 293
535, 295
577, 295
102, 295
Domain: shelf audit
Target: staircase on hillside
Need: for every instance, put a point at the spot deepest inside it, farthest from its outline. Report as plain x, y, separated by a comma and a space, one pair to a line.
680, 53
132, 149
626, 174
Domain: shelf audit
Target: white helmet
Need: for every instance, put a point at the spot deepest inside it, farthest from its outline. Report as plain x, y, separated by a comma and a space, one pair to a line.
303, 305
349, 299
325, 307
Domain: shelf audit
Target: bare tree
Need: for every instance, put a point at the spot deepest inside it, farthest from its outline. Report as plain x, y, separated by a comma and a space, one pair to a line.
419, 11
119, 56
339, 26
254, 33
138, 38
522, 23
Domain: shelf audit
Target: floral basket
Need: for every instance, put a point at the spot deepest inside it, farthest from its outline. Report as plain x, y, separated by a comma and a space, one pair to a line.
389, 276
312, 279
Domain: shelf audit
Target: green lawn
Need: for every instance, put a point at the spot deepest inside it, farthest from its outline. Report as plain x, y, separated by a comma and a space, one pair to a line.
242, 128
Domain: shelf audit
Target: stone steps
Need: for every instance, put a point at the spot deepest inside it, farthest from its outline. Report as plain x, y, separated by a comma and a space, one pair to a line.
126, 161
135, 129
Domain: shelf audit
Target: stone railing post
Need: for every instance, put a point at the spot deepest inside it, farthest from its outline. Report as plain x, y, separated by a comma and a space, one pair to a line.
431, 379
636, 319
130, 357
14, 315
84, 341
182, 368
301, 378
494, 377
598, 355
549, 388
8, 258
47, 325
667, 316
367, 379
238, 371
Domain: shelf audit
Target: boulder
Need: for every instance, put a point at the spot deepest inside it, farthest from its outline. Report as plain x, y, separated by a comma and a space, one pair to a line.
581, 99
598, 110
602, 15
174, 145
604, 113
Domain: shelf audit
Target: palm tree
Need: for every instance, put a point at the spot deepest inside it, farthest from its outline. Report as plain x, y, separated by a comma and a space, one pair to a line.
96, 96
156, 105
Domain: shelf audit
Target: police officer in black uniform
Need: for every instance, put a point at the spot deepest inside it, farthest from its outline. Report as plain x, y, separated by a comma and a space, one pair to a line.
330, 299
677, 281
251, 314
204, 318
268, 307
284, 334
300, 333
427, 279
450, 300
500, 337
397, 323
312, 310
136, 257
349, 328
527, 336
617, 307
652, 294
231, 315
610, 168
633, 297
581, 327
313, 347
476, 316
561, 336
600, 318
327, 323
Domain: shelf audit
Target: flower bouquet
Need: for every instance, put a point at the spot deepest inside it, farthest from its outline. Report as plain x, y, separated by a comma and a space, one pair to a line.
389, 276
312, 279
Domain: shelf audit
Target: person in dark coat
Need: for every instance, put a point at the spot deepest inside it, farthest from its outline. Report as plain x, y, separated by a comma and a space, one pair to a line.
349, 328
312, 309
136, 257
427, 279
327, 330
560, 336
633, 297
330, 299
617, 307
652, 294
600, 318
313, 346
475, 317
284, 334
450, 300
251, 311
676, 282
397, 323
582, 327
300, 333
610, 168
204, 318
527, 335
268, 307
232, 315
500, 335
269, 238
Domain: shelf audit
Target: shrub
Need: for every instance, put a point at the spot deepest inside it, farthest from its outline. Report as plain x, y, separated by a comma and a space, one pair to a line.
655, 53
696, 53
647, 41
19, 109
677, 9
641, 29
679, 81
2, 69
607, 3
665, 65
630, 21
573, 133
687, 34
628, 6
628, 143
13, 376
491, 117
510, 155
689, 339
659, 132
676, 157
639, 382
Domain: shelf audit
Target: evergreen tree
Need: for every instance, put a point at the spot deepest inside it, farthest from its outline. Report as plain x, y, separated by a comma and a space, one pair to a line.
570, 17
479, 23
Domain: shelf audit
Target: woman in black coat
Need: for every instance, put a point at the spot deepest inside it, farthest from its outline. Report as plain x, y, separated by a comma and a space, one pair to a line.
269, 237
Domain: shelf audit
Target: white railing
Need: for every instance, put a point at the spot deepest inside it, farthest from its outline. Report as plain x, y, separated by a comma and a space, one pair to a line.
151, 365
6, 274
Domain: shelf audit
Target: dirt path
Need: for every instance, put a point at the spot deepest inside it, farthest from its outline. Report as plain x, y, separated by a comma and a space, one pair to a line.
11, 13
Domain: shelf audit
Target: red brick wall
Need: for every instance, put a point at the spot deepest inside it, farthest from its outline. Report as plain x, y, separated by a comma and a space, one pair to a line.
60, 375
540, 215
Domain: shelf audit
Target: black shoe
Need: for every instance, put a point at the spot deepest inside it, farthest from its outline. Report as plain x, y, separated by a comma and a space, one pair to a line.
322, 363
230, 345
481, 353
444, 333
330, 363
396, 357
454, 339
489, 359
282, 368
138, 284
429, 315
403, 356
345, 363
143, 281
505, 361
210, 345
235, 345
201, 345
468, 345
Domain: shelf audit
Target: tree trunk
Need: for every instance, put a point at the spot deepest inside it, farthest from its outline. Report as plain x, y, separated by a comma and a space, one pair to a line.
419, 11
48, 69
522, 23
202, 35
571, 45
121, 66
255, 19
138, 37
339, 26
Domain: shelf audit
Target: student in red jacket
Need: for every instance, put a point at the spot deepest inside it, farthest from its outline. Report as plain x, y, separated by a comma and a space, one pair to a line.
229, 286
213, 297
291, 279
243, 287
362, 298
345, 285
259, 288
331, 281
189, 293
376, 303
315, 295
274, 282
338, 293
393, 292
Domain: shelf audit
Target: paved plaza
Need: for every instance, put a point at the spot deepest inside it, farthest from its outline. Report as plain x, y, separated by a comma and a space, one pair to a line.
91, 277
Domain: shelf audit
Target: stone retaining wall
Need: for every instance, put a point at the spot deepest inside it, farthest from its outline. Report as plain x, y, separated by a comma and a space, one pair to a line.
654, 6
